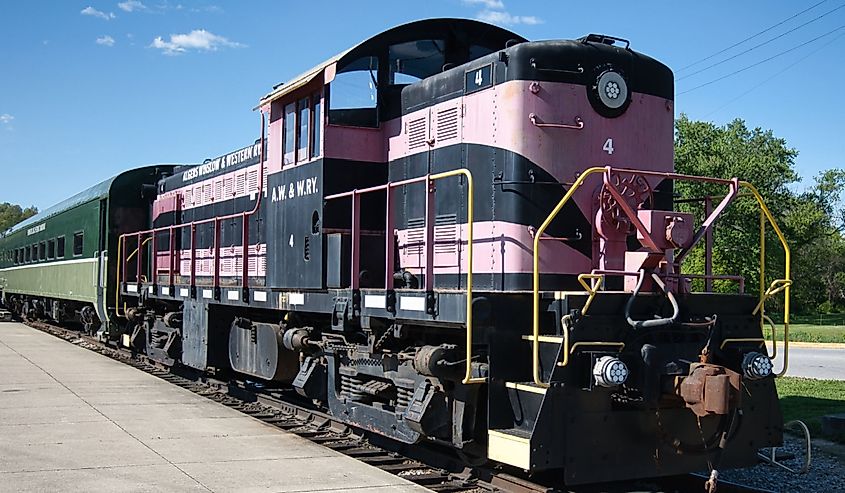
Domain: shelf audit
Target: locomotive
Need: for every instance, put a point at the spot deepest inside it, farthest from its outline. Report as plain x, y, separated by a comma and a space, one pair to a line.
449, 234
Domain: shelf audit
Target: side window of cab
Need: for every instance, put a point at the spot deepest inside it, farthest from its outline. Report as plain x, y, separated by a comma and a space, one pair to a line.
353, 97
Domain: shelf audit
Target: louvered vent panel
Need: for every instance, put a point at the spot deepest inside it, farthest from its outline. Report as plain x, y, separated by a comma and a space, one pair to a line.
240, 184
416, 130
218, 189
446, 234
416, 236
253, 181
447, 124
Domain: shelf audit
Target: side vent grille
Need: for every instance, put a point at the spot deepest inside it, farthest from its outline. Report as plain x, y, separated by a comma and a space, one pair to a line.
416, 133
446, 234
447, 124
416, 236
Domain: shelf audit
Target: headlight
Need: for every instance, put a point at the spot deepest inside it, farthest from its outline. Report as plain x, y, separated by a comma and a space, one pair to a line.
610, 371
756, 366
612, 89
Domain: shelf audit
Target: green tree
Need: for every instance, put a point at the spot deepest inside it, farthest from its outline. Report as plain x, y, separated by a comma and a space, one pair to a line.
756, 156
813, 221
11, 214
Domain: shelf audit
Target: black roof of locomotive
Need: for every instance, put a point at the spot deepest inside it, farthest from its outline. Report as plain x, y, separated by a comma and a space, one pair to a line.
460, 33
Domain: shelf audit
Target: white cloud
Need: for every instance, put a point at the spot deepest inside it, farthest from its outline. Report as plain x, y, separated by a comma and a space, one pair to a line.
198, 39
488, 4
6, 118
506, 18
105, 40
131, 6
97, 13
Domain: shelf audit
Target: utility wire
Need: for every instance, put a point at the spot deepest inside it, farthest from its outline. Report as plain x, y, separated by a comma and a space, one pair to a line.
796, 62
763, 43
750, 37
761, 61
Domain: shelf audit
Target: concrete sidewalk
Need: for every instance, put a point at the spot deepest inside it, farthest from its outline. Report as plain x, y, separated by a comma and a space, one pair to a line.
73, 420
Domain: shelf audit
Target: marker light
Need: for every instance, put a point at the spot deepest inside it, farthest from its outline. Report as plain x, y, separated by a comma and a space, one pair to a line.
756, 366
610, 371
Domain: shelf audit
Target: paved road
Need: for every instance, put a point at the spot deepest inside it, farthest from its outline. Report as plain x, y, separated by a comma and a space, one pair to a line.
815, 362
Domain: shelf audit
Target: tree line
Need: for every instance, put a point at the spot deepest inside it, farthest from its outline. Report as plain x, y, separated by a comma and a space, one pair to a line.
11, 214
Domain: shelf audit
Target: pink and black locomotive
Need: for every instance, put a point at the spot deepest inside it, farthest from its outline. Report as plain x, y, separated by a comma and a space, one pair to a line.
450, 234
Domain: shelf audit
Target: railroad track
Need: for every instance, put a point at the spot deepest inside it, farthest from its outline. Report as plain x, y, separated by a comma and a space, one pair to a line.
433, 468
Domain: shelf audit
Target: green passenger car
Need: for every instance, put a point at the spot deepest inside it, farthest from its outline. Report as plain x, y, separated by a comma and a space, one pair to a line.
56, 264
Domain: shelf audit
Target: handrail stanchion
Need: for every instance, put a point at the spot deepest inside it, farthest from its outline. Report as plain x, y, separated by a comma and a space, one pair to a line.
172, 258
245, 259
536, 276
154, 261
193, 259
389, 258
429, 233
216, 257
138, 263
356, 238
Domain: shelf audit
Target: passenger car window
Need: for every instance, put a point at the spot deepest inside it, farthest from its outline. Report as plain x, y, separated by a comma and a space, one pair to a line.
78, 240
60, 247
42, 251
51, 249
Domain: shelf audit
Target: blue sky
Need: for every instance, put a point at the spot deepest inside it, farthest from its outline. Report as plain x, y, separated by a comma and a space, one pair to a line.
91, 88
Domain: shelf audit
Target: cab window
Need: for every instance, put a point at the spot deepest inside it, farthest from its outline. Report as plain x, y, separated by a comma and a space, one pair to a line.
303, 121
289, 138
353, 99
316, 127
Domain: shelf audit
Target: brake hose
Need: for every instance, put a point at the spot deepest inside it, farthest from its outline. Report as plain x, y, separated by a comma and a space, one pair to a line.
658, 322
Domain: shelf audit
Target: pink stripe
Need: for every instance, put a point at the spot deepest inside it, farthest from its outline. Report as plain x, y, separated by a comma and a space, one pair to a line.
498, 247
358, 144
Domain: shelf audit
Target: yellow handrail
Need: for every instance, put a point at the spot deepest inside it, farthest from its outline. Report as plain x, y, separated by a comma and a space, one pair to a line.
591, 288
779, 284
765, 293
120, 242
536, 278
468, 379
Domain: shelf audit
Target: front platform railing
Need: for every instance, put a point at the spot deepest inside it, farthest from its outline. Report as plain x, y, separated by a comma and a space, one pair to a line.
595, 277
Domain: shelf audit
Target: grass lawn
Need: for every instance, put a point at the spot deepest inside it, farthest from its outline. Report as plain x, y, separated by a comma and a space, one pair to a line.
808, 400
810, 333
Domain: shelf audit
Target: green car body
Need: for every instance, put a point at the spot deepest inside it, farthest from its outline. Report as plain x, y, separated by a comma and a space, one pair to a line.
62, 253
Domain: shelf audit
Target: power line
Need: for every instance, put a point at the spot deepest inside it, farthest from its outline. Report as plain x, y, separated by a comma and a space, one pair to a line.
761, 61
763, 43
751, 37
796, 62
